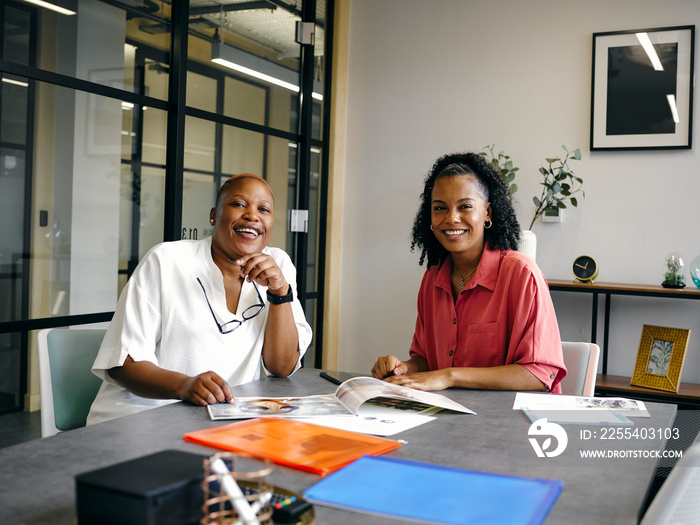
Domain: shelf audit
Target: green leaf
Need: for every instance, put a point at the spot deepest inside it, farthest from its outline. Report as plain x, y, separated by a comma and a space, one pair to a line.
574, 201
551, 160
543, 171
561, 205
556, 188
577, 154
513, 188
537, 201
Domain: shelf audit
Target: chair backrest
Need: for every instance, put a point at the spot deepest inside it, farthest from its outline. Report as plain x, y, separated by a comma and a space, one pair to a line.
68, 386
678, 500
581, 360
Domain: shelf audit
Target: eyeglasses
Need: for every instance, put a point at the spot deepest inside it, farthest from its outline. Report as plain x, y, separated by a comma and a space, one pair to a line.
247, 314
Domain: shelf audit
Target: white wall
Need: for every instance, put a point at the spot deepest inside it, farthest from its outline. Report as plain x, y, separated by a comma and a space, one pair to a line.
434, 77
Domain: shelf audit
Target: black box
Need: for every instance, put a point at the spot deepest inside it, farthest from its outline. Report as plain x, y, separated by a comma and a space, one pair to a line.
163, 488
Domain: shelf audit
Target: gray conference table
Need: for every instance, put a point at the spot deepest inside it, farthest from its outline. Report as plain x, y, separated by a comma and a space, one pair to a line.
37, 478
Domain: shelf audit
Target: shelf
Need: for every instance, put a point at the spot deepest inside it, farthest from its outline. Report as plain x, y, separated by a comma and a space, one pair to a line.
645, 290
688, 393
611, 289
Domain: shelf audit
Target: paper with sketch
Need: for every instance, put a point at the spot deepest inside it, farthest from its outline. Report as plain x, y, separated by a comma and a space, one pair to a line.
532, 401
346, 401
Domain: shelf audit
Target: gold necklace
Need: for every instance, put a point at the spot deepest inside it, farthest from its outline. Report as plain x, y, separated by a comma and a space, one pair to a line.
461, 279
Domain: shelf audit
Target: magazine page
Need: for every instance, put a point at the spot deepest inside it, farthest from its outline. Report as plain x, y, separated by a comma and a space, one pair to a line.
353, 392
377, 419
289, 407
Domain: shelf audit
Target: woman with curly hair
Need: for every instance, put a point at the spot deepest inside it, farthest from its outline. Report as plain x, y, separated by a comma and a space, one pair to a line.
485, 316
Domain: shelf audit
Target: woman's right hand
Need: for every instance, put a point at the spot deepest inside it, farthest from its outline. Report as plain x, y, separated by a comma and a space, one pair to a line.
389, 365
146, 379
206, 388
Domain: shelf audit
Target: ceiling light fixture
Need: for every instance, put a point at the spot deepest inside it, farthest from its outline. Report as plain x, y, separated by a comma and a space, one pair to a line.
650, 51
15, 82
53, 7
257, 67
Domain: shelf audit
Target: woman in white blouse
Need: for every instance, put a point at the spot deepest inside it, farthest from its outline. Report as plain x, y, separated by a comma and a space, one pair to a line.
199, 316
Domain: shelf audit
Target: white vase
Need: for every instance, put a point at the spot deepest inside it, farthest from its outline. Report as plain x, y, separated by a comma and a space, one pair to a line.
528, 243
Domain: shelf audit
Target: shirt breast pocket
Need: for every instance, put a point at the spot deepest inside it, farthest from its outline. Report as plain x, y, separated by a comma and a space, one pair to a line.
481, 346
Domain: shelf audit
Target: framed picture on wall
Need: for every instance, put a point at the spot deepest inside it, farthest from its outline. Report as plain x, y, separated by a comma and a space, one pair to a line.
642, 89
660, 358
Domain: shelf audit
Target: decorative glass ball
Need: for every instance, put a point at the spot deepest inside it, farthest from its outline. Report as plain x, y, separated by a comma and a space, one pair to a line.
695, 270
674, 271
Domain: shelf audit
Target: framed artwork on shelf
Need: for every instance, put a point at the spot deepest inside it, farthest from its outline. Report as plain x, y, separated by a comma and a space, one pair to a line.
660, 358
642, 89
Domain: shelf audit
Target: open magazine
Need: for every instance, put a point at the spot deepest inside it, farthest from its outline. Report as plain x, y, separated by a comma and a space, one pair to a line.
346, 401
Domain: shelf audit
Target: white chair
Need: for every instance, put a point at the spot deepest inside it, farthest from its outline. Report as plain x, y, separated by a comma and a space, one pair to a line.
68, 386
581, 360
678, 500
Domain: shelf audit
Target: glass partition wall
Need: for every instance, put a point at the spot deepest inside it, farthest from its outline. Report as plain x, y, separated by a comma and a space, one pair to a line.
119, 119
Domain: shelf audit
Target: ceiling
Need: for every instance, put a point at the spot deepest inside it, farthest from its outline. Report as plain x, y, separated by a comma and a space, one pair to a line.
268, 23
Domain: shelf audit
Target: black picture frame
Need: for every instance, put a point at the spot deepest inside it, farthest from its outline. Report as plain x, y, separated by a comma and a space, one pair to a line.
630, 104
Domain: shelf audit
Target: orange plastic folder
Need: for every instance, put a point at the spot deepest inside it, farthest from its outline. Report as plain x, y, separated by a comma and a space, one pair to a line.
296, 444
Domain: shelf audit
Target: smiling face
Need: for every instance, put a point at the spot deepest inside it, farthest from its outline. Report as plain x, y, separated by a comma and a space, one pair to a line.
243, 219
458, 213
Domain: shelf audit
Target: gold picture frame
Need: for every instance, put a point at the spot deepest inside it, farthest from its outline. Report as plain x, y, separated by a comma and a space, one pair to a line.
660, 358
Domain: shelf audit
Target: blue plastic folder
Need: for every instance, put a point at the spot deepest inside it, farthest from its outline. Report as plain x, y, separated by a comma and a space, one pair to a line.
434, 494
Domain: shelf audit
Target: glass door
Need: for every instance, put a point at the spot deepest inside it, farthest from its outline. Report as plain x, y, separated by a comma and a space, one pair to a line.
250, 110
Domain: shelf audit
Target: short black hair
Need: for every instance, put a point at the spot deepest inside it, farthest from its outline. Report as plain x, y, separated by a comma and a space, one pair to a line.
504, 234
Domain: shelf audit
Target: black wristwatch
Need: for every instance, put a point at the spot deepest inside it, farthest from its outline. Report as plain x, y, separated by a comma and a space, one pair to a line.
281, 299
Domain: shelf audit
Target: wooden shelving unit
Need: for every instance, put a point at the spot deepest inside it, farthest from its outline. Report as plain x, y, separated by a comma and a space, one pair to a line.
688, 394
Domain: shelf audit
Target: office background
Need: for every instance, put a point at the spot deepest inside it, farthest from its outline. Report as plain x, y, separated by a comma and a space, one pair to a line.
87, 185
428, 78
116, 129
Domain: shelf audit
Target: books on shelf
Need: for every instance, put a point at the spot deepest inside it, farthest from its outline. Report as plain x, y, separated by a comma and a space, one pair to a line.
292, 443
423, 492
346, 401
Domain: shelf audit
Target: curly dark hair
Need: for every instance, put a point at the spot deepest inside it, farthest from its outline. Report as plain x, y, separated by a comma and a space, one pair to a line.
505, 232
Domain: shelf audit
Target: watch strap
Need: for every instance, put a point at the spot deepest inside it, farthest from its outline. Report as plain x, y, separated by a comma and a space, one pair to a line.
281, 299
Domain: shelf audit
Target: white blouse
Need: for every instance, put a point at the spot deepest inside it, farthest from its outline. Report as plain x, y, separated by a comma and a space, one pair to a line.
162, 316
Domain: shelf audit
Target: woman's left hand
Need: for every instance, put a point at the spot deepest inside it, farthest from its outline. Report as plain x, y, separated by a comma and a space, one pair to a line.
263, 269
433, 380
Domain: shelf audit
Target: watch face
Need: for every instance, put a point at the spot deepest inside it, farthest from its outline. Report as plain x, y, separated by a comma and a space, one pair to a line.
585, 268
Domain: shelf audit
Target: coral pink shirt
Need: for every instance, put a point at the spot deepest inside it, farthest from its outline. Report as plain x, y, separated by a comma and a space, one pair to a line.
504, 315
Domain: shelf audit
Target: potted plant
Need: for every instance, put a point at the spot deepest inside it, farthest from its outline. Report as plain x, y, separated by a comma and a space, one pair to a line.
673, 277
503, 165
560, 184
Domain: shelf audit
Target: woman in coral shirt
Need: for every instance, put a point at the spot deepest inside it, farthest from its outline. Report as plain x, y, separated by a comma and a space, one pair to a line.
485, 316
